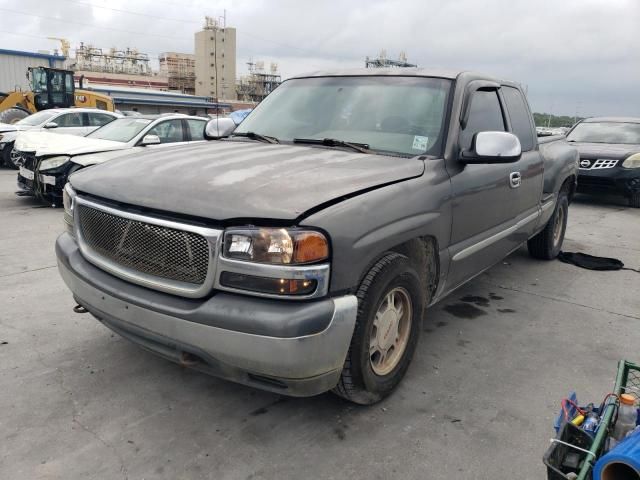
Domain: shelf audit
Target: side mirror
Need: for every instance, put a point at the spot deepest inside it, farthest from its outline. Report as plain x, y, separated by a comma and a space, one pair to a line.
51, 125
150, 140
493, 147
219, 128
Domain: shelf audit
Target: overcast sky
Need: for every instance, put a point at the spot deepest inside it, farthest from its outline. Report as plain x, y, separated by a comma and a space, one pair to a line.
573, 56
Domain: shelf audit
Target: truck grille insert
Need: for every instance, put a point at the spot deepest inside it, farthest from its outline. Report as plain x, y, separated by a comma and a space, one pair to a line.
155, 250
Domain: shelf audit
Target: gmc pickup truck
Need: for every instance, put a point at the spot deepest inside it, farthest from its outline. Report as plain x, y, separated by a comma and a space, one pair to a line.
299, 255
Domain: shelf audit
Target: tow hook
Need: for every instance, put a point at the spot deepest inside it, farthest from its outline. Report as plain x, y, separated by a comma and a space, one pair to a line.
80, 309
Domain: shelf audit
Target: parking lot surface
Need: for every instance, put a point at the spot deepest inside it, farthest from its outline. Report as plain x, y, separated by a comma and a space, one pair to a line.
493, 362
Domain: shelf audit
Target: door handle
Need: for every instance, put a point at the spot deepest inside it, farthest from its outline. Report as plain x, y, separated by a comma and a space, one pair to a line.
515, 179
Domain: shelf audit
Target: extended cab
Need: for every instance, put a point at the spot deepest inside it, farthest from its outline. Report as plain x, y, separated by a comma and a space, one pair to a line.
300, 254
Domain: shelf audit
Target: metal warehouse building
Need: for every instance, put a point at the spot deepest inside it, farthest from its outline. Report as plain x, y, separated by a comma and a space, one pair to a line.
154, 101
14, 65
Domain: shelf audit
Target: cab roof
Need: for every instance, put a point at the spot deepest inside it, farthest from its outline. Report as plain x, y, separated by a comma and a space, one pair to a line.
450, 74
612, 120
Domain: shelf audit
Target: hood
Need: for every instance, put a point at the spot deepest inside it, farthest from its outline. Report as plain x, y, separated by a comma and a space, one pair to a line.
12, 127
97, 158
222, 180
46, 143
613, 151
7, 127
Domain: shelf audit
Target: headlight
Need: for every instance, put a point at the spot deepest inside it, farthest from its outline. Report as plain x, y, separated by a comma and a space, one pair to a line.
632, 162
68, 200
53, 162
278, 246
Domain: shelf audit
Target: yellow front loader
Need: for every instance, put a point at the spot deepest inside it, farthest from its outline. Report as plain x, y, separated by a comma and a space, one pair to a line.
50, 88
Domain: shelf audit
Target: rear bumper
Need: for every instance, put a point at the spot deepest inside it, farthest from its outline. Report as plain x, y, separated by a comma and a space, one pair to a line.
292, 348
617, 180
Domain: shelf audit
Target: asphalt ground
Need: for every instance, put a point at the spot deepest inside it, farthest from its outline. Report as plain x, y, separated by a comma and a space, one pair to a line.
493, 362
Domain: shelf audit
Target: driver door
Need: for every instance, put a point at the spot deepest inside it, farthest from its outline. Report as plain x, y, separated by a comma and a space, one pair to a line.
485, 204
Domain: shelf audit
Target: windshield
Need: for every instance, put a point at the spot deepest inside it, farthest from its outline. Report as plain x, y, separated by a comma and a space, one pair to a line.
388, 113
36, 119
121, 129
606, 132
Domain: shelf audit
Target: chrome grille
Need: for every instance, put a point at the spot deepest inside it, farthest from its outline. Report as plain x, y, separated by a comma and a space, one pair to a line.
599, 164
159, 251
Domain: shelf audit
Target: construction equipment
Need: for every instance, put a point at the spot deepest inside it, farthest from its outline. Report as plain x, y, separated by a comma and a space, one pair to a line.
50, 88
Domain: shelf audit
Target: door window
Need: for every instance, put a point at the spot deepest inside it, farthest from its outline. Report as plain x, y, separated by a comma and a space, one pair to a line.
485, 115
69, 120
520, 117
99, 119
196, 129
169, 131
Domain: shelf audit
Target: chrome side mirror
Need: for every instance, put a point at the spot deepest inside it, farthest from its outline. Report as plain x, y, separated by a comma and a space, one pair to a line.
219, 128
150, 140
493, 147
51, 125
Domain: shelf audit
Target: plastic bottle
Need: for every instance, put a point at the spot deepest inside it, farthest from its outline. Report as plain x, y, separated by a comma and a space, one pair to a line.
627, 415
591, 423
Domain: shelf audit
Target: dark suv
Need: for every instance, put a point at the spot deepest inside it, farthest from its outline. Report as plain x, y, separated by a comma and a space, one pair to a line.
609, 156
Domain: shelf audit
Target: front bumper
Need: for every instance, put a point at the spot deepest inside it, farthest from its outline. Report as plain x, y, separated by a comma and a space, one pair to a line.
617, 180
292, 348
43, 184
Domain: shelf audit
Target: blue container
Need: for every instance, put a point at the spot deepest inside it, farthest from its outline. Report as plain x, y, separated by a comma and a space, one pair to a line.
622, 462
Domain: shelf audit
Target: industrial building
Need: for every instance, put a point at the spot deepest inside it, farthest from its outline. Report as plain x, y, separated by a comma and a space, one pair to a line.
215, 63
14, 65
258, 84
382, 61
180, 71
114, 67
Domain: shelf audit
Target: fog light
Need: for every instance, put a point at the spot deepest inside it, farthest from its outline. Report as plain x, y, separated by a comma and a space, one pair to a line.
271, 286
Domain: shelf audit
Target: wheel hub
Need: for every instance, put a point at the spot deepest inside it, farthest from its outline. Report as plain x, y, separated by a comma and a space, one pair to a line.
388, 328
390, 331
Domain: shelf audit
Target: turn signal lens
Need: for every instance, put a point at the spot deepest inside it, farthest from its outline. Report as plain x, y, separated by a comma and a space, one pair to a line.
310, 247
632, 162
279, 246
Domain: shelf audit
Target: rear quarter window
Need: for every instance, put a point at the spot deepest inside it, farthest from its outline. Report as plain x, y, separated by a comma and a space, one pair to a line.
519, 116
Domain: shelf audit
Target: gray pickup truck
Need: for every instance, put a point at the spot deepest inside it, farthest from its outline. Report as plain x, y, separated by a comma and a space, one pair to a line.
300, 254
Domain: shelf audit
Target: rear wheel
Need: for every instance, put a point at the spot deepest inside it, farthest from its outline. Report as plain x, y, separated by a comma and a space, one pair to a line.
547, 244
12, 115
390, 306
634, 200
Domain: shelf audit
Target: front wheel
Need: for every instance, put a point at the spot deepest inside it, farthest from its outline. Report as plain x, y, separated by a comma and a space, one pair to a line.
390, 306
12, 157
547, 244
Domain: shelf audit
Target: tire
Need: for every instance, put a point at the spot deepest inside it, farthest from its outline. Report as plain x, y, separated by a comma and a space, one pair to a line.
6, 152
10, 156
547, 244
12, 115
634, 200
366, 378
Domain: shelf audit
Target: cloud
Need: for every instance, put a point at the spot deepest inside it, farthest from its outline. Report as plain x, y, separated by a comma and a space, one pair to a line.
572, 55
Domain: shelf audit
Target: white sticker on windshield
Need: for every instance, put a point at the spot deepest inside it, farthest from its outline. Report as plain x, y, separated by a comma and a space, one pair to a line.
420, 143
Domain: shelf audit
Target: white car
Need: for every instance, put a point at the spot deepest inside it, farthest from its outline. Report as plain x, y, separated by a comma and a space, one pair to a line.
72, 121
47, 160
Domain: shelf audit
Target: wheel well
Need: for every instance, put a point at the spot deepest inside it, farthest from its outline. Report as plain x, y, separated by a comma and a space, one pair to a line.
423, 253
569, 185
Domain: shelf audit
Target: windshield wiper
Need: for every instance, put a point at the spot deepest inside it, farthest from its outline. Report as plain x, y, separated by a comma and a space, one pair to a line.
332, 142
257, 136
